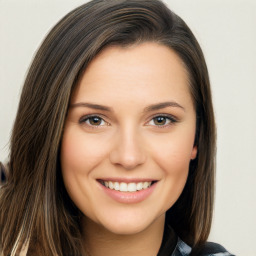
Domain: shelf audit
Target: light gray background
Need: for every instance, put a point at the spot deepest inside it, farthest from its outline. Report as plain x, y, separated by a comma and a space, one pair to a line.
226, 31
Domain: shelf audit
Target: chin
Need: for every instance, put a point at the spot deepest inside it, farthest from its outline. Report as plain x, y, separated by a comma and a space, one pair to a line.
125, 228
130, 225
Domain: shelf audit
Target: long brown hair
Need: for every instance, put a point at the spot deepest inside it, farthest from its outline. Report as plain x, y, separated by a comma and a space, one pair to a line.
34, 204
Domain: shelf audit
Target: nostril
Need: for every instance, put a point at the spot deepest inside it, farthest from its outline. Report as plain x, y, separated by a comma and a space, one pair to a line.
128, 162
128, 151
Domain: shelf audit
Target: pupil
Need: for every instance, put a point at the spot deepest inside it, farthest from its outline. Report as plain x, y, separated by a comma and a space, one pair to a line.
95, 120
160, 120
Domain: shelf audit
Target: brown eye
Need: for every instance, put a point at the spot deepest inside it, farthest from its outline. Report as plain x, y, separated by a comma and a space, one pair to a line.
93, 121
160, 120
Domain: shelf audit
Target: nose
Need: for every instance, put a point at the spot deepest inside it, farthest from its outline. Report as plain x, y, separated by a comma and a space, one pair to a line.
128, 150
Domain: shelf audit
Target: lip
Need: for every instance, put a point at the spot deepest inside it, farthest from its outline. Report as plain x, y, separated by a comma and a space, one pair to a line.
128, 197
126, 180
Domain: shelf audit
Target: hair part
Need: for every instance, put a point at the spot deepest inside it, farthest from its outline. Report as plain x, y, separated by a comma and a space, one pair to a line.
44, 214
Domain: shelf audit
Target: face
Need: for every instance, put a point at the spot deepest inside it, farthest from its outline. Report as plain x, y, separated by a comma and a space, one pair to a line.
129, 137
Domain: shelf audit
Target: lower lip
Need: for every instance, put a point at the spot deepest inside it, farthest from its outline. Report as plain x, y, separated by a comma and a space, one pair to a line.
129, 197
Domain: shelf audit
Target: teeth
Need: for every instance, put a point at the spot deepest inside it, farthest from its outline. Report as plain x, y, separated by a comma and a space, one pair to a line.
132, 187
127, 187
116, 186
111, 185
123, 187
145, 185
139, 186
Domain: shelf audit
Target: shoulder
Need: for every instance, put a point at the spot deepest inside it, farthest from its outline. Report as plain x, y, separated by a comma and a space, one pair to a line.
207, 249
211, 249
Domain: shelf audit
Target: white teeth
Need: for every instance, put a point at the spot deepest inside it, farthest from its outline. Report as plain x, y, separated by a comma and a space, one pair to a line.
131, 187
139, 186
116, 186
123, 187
127, 187
110, 185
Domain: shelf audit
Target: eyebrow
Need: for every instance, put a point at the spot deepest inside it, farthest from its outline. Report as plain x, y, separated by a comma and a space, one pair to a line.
90, 105
153, 107
162, 105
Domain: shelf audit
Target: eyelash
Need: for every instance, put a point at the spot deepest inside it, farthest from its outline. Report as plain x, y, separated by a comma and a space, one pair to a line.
86, 120
172, 120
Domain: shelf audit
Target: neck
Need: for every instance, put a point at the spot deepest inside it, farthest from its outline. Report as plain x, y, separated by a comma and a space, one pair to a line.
99, 241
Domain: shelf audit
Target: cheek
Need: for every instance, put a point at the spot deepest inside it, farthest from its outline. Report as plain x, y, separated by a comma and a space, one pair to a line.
80, 155
173, 156
175, 163
79, 152
173, 153
175, 166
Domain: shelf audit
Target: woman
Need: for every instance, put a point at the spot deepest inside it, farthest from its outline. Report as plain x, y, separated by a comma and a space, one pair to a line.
113, 147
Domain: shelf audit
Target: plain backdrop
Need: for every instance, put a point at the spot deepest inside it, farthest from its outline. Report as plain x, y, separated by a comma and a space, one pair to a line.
227, 34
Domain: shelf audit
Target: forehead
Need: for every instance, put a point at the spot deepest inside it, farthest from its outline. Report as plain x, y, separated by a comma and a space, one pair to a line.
151, 68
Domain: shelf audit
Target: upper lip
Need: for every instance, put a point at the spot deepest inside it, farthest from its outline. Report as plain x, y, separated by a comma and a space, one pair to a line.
127, 180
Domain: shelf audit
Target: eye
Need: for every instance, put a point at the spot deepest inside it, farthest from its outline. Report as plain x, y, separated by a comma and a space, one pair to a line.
93, 121
161, 120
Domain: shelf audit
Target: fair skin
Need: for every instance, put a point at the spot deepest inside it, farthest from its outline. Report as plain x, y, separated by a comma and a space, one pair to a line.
131, 124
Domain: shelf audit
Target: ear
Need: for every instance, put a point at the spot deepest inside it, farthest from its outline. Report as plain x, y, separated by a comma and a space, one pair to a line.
193, 153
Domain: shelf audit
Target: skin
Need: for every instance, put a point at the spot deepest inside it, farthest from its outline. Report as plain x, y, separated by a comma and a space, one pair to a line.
128, 142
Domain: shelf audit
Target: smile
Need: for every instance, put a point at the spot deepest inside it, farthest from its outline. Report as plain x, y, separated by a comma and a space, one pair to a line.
127, 187
127, 191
